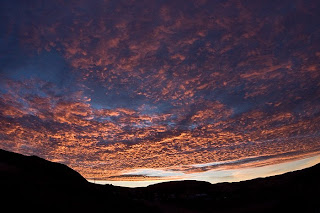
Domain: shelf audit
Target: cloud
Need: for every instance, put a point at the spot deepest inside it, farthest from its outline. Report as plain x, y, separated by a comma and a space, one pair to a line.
153, 172
113, 86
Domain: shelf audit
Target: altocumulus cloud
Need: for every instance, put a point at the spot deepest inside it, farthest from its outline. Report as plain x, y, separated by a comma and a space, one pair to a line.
111, 86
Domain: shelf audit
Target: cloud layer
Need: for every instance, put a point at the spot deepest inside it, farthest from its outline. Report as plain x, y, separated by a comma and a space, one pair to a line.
109, 86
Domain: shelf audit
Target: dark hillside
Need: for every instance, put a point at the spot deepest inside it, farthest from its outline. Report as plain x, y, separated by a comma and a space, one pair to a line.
29, 183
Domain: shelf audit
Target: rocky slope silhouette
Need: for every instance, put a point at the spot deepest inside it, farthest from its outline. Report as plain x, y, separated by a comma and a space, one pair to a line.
32, 184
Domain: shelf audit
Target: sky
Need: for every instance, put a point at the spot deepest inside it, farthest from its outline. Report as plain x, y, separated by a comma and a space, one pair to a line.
159, 90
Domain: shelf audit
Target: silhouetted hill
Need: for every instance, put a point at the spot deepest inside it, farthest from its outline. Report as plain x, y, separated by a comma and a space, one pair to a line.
20, 169
297, 191
30, 183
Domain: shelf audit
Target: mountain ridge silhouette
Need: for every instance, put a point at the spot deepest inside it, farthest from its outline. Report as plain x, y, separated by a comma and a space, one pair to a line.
30, 183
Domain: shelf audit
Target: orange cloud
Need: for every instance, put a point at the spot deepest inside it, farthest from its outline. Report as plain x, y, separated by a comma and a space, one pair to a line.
161, 84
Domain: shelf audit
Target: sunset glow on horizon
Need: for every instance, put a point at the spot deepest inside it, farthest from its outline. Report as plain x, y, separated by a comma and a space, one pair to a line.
217, 175
161, 90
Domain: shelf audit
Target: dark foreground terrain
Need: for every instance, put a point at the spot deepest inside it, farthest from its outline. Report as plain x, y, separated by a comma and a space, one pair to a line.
30, 184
